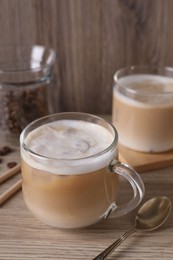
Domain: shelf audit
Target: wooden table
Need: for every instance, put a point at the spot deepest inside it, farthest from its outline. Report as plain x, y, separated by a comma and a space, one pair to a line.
24, 237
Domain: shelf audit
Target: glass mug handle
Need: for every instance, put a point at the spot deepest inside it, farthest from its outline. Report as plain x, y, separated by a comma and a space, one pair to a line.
136, 183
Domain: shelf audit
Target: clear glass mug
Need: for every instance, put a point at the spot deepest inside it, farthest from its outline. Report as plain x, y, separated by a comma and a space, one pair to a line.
70, 170
143, 107
26, 76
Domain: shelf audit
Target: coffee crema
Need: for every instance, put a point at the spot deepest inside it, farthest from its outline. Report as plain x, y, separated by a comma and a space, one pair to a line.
142, 112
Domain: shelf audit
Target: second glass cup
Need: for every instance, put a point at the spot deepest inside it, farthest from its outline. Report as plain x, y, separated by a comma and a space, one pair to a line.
143, 108
71, 173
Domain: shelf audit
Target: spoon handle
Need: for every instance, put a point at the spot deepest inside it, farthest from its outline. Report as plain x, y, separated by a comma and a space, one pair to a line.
113, 246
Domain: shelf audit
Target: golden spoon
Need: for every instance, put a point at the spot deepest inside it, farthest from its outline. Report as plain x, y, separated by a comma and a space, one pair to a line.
150, 216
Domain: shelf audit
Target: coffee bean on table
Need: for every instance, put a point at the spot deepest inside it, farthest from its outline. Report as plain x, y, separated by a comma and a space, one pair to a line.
11, 164
5, 150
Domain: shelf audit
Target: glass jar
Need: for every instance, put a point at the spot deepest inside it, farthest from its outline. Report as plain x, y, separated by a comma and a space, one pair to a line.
26, 75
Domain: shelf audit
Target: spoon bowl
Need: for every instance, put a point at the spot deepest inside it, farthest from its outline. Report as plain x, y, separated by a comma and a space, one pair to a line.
153, 214
150, 216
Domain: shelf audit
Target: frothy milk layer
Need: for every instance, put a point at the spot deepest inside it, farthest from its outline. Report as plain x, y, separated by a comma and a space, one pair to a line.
66, 141
147, 89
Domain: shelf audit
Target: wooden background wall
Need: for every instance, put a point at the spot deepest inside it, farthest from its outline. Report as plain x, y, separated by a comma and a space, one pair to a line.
92, 38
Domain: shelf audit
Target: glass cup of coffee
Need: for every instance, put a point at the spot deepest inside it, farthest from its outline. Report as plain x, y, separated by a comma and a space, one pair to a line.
143, 107
70, 171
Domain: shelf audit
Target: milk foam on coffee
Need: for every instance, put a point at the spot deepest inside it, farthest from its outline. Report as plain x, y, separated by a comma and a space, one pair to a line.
147, 89
143, 112
66, 141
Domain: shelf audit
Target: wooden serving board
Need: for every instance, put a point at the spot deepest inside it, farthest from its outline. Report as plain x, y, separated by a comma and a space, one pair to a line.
143, 162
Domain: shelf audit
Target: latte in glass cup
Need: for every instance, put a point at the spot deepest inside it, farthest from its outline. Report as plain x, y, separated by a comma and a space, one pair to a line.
142, 109
69, 165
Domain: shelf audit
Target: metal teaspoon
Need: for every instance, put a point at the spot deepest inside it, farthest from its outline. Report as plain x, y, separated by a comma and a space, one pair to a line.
150, 216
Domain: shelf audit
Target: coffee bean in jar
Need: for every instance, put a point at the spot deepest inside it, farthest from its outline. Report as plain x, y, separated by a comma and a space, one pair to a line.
26, 75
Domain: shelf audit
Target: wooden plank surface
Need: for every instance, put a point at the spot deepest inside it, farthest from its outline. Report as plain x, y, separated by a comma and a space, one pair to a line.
92, 39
